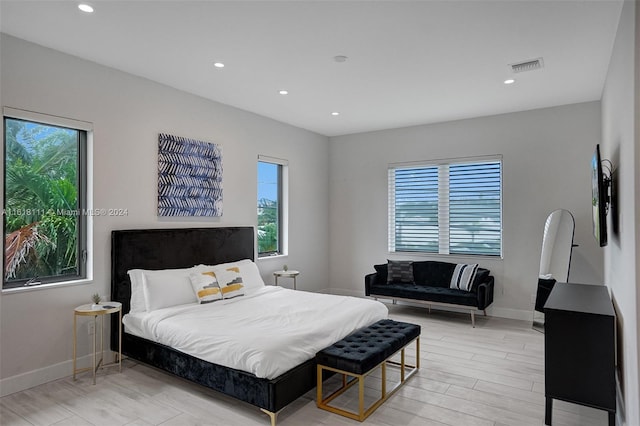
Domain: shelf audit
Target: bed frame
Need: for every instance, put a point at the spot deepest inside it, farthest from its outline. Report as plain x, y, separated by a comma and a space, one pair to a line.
182, 248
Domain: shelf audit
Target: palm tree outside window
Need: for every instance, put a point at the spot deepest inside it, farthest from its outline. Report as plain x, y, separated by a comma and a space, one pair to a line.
44, 203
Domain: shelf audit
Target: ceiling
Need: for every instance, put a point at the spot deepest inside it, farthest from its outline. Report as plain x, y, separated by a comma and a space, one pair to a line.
408, 62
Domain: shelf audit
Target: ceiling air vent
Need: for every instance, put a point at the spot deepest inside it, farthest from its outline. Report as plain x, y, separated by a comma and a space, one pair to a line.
530, 65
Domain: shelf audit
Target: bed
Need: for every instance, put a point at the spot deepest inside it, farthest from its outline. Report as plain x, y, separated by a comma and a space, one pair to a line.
155, 249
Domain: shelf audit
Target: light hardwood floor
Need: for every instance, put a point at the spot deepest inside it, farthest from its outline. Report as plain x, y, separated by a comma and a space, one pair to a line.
491, 375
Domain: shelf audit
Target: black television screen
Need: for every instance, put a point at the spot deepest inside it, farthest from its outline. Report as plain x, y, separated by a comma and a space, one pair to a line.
599, 198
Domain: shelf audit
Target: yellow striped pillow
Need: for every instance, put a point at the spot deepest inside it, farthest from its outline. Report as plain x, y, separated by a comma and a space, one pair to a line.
230, 281
206, 287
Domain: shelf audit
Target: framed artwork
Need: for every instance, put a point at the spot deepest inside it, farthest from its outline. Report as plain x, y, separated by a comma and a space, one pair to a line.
189, 177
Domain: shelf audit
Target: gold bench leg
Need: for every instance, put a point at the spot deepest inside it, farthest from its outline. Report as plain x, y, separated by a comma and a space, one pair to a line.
363, 413
361, 398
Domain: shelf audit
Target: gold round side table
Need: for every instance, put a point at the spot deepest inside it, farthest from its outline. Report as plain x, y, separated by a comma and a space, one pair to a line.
287, 274
101, 311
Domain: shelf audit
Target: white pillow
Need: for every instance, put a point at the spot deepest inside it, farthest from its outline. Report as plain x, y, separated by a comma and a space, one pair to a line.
166, 288
138, 303
250, 275
205, 286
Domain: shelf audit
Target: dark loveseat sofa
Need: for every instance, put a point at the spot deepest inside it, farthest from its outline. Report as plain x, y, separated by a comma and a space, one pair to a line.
430, 285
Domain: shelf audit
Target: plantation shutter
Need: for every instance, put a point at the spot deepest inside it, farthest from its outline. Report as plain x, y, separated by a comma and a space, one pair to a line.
415, 208
446, 207
474, 208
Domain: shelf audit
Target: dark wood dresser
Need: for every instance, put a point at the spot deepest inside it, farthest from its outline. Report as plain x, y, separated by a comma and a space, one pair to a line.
579, 348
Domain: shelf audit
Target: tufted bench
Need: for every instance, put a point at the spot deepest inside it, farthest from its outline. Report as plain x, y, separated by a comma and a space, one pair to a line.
359, 354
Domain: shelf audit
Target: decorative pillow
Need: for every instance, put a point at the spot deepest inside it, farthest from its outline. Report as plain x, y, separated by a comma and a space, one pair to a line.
399, 271
166, 288
205, 286
251, 278
463, 276
230, 281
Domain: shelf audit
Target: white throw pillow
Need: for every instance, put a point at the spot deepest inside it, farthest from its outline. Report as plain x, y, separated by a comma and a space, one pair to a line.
166, 288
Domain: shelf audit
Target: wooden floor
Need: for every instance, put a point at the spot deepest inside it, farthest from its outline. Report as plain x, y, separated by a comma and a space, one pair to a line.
491, 375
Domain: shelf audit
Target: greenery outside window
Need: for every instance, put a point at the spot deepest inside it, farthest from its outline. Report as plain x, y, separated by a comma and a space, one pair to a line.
446, 207
44, 202
271, 206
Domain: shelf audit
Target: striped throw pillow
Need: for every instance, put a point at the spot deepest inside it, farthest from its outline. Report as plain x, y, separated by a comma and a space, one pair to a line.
206, 287
463, 276
230, 281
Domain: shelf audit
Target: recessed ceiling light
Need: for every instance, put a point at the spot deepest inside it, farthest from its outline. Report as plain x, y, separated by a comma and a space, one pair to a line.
283, 92
85, 8
509, 81
335, 113
218, 65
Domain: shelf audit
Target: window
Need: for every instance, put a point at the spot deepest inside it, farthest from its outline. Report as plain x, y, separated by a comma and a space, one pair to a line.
44, 210
448, 207
271, 206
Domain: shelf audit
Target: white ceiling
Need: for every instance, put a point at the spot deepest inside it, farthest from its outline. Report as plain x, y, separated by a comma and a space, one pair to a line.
408, 62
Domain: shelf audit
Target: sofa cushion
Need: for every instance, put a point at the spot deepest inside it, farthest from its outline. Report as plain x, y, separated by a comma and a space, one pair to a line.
422, 292
381, 269
481, 276
399, 271
433, 273
381, 274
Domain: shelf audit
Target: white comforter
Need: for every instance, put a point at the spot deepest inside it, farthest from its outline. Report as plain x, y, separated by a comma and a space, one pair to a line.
266, 333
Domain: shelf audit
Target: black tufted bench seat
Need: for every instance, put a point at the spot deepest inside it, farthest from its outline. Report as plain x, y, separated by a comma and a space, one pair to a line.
359, 354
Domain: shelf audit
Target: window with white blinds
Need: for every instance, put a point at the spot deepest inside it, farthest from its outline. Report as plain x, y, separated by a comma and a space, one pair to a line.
448, 207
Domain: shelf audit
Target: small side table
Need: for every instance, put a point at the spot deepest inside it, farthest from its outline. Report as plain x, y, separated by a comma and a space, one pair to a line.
105, 309
287, 274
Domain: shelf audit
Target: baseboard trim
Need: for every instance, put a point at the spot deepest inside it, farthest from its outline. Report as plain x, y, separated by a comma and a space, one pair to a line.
43, 375
516, 314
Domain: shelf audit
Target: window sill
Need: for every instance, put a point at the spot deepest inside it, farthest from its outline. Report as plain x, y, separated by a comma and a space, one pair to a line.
273, 256
47, 286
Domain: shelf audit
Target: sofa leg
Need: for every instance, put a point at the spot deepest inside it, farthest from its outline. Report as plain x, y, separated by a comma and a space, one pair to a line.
473, 319
485, 312
429, 309
395, 302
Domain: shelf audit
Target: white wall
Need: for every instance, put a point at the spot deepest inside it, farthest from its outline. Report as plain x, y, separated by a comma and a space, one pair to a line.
621, 145
128, 113
546, 166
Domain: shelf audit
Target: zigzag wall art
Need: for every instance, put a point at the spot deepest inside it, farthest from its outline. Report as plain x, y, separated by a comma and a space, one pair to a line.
189, 177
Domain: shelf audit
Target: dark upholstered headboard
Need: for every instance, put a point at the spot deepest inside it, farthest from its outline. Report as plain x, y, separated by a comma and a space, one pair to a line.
173, 248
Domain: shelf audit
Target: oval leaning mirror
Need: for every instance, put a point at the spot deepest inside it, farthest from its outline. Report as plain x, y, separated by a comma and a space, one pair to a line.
555, 259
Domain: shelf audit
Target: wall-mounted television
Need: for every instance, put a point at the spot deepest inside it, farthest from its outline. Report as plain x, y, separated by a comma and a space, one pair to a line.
600, 198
